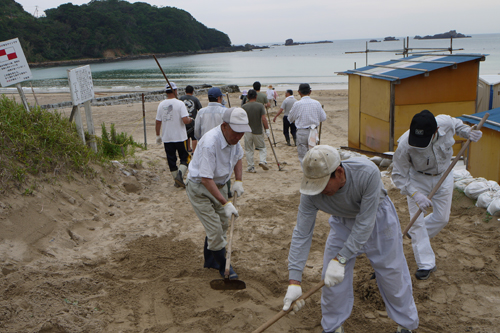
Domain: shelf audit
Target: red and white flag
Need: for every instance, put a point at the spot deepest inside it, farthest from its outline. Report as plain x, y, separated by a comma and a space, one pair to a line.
7, 54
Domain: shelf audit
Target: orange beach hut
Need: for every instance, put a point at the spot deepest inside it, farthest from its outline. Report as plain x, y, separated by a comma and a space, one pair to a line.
383, 98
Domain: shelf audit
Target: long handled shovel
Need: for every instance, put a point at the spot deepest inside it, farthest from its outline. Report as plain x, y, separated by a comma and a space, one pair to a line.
269, 121
226, 283
279, 166
445, 174
282, 313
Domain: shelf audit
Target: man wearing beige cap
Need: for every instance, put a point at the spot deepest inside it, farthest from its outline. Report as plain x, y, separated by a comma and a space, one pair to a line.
217, 155
363, 220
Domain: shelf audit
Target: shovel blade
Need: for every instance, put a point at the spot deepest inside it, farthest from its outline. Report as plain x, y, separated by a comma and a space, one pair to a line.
227, 284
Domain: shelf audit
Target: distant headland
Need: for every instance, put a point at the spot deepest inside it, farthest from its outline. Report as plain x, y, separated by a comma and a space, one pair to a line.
446, 35
289, 42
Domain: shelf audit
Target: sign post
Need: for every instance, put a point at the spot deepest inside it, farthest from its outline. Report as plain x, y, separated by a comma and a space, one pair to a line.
82, 91
14, 68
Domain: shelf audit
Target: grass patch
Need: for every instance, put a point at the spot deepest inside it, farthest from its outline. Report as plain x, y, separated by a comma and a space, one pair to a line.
44, 145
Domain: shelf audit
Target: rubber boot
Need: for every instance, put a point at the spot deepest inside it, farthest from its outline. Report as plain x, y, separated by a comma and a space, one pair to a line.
288, 142
294, 142
209, 258
179, 179
174, 175
220, 257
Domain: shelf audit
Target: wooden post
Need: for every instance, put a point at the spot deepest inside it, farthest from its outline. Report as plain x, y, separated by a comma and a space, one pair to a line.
90, 125
23, 97
144, 122
33, 91
78, 122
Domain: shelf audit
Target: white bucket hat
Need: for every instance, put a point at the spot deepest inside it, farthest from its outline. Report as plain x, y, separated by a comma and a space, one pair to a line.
318, 165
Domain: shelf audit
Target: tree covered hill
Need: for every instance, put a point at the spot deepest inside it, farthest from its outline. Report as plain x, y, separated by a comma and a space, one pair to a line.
105, 27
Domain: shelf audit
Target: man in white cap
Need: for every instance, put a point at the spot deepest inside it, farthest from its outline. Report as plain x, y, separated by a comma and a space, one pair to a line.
424, 152
363, 220
217, 155
307, 114
172, 118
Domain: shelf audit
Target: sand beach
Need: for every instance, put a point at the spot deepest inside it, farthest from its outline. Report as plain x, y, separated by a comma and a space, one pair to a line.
123, 252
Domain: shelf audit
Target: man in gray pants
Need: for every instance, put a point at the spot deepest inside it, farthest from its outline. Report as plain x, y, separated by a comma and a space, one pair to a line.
307, 115
363, 220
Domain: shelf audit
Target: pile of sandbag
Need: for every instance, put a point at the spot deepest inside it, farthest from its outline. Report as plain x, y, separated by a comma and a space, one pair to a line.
486, 192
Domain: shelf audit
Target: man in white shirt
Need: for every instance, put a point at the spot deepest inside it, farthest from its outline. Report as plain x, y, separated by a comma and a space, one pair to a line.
210, 116
287, 127
270, 95
172, 118
424, 152
307, 115
217, 155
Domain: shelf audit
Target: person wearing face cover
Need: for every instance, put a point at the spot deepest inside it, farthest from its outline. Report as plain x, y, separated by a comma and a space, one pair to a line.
363, 220
424, 153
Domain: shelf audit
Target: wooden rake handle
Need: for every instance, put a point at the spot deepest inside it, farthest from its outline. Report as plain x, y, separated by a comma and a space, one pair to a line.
229, 245
161, 70
282, 313
445, 174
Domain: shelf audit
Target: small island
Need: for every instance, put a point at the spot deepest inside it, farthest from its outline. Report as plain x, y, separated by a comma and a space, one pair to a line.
445, 35
374, 41
289, 42
390, 39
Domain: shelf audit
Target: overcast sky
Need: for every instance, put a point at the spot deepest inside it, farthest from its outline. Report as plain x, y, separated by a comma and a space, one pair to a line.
261, 21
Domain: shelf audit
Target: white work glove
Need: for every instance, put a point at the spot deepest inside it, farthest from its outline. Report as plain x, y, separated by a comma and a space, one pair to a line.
422, 202
159, 141
294, 291
475, 135
268, 133
229, 209
238, 188
334, 273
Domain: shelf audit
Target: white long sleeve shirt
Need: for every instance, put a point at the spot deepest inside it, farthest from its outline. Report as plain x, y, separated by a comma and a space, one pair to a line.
306, 113
433, 159
357, 202
208, 118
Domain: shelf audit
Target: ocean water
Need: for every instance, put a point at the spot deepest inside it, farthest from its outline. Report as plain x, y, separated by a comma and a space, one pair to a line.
285, 67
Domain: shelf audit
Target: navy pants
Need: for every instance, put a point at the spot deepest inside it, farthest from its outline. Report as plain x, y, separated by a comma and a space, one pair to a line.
289, 127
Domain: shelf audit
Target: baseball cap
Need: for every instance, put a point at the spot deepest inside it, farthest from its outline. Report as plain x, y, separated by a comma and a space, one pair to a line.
170, 86
304, 88
214, 92
237, 118
318, 165
423, 126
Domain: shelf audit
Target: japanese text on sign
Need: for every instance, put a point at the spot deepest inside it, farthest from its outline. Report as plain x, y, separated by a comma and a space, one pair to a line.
80, 84
13, 65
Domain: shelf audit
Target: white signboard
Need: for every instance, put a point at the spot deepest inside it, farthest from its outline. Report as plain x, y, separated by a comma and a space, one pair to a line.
80, 84
13, 65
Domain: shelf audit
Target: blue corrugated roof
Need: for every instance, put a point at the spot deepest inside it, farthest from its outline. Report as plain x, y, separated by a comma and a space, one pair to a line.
403, 68
494, 117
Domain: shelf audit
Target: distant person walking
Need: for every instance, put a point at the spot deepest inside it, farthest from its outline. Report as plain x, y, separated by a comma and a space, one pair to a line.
255, 139
307, 115
261, 97
243, 97
270, 94
192, 105
286, 106
172, 118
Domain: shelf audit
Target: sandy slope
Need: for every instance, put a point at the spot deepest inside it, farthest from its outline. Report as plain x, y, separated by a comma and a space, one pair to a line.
124, 253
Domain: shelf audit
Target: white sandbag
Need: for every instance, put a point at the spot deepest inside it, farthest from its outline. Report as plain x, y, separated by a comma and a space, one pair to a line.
459, 174
376, 159
485, 198
474, 189
462, 184
494, 207
385, 162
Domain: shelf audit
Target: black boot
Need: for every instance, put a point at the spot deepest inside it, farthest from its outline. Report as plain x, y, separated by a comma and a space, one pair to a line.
209, 258
220, 257
288, 142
